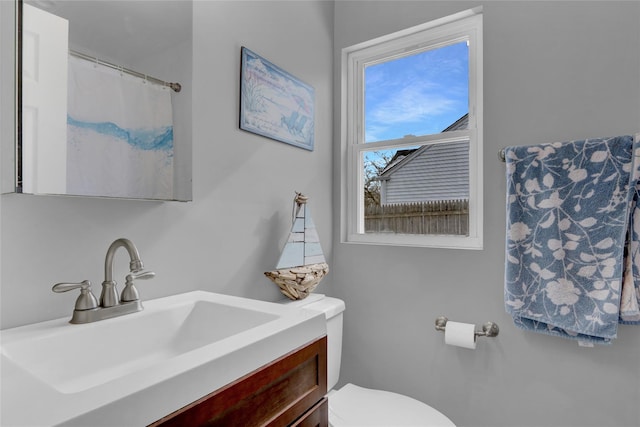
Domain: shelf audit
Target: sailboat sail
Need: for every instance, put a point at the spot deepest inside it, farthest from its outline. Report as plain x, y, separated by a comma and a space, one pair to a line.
303, 246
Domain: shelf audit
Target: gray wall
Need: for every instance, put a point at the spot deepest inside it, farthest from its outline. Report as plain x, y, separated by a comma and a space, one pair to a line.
243, 184
553, 71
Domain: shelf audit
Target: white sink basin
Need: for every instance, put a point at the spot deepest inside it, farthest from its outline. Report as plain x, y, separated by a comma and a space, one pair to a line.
74, 358
177, 341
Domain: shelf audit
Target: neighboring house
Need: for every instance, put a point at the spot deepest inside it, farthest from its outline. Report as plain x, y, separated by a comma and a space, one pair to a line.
429, 173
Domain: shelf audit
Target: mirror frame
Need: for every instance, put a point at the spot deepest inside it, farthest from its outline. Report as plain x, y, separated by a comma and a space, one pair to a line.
18, 154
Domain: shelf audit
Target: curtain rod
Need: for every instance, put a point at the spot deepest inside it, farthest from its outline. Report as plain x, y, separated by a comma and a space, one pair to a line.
174, 86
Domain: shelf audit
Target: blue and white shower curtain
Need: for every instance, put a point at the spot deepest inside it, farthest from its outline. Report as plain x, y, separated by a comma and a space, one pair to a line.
119, 134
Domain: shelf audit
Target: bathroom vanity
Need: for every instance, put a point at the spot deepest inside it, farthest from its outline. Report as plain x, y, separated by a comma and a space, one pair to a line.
186, 359
286, 392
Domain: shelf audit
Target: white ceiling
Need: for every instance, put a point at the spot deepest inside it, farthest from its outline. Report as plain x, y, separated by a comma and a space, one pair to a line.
123, 29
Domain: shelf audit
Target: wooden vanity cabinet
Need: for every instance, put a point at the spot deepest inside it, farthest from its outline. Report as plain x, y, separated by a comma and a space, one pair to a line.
289, 391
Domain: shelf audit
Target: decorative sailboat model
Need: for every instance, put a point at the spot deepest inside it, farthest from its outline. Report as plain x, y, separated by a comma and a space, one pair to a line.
302, 265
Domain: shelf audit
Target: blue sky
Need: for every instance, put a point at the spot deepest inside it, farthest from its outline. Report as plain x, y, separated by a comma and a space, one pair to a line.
417, 95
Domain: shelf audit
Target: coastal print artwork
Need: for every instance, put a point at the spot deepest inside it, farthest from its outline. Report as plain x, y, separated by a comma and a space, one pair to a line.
275, 104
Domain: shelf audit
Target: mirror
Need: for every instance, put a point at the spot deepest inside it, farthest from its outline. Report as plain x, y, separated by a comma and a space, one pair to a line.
94, 119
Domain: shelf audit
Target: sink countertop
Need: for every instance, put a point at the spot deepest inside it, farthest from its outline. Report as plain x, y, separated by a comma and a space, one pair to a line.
152, 392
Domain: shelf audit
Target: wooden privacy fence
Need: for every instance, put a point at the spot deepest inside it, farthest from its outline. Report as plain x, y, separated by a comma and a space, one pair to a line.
435, 217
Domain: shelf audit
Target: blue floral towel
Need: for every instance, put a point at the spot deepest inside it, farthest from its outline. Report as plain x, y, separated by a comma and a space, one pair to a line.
630, 294
568, 210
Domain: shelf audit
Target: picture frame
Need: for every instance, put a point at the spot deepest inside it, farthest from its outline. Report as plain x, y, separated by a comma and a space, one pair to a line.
274, 103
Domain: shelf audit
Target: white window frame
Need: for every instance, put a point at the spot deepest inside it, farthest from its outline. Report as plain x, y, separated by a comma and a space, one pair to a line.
466, 25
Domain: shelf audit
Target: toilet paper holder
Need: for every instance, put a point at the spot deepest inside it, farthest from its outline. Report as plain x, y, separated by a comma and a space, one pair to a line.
489, 329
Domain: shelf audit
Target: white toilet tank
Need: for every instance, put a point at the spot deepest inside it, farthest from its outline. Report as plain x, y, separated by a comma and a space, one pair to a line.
333, 309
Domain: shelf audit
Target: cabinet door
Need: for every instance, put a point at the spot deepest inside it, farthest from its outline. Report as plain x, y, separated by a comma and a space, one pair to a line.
318, 416
275, 395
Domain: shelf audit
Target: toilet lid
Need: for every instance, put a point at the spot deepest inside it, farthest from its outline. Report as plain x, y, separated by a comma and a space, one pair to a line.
357, 406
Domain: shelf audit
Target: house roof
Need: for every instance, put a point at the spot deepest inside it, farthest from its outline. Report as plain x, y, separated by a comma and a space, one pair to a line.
461, 123
403, 156
397, 158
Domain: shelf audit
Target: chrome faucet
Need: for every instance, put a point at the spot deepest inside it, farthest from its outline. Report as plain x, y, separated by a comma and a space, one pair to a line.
87, 309
109, 295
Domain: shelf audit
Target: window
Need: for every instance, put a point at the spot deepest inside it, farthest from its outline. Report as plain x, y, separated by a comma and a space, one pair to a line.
412, 136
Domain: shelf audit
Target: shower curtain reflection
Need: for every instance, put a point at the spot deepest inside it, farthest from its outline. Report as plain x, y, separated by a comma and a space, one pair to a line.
119, 134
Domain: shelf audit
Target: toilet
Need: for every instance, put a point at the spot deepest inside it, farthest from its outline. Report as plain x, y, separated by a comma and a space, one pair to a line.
353, 405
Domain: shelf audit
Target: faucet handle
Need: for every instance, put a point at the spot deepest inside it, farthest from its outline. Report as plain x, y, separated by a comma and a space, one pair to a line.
86, 300
130, 293
139, 275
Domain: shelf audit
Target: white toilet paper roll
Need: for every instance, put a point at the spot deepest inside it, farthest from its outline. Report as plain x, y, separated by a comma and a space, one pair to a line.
460, 334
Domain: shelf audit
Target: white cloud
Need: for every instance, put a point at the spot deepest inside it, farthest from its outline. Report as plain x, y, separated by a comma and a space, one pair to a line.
410, 105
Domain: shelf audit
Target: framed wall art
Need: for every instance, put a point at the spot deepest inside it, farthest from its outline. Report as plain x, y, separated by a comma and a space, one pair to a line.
275, 104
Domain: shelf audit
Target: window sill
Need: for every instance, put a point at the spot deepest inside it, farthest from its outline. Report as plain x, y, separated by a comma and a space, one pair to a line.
413, 240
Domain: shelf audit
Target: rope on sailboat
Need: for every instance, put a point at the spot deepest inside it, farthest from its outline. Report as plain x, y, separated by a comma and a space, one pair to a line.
299, 199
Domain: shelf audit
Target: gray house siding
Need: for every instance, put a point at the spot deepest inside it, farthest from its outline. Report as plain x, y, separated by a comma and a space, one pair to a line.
433, 172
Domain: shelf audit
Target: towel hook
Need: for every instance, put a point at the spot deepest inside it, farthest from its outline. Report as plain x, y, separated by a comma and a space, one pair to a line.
489, 329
